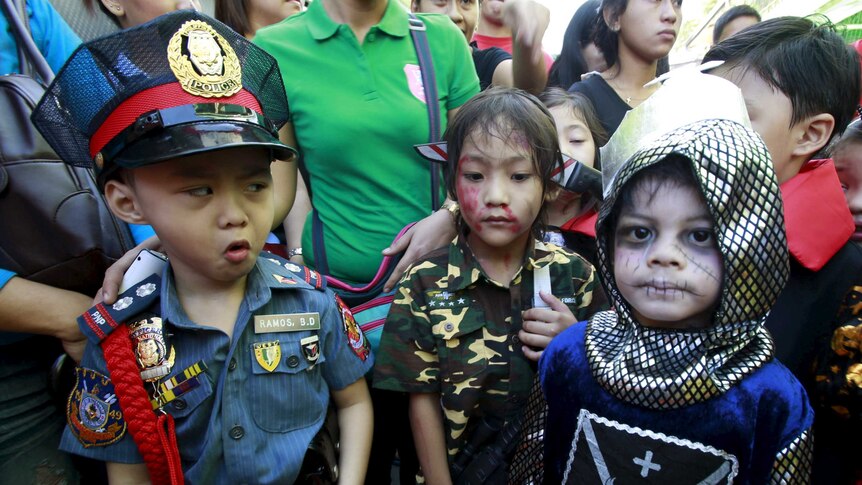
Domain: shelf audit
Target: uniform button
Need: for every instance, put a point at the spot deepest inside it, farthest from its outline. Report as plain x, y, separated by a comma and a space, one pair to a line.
237, 432
232, 364
515, 340
292, 361
179, 404
448, 327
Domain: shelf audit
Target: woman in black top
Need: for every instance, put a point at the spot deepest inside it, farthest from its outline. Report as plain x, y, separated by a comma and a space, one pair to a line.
634, 36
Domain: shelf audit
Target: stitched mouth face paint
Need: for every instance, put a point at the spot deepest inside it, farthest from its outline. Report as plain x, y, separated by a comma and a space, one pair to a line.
666, 261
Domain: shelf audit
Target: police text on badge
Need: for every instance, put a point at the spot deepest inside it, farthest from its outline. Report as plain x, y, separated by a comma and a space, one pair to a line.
288, 322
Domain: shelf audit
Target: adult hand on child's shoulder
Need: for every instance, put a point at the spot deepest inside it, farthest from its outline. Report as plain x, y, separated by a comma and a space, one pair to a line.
540, 325
430, 233
114, 275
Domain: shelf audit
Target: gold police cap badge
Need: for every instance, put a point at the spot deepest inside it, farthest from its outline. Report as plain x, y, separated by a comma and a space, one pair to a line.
203, 61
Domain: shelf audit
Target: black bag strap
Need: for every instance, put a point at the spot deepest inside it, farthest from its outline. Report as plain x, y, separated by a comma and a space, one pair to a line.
429, 86
25, 42
24, 66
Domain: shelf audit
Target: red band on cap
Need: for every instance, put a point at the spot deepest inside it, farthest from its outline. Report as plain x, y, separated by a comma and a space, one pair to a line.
158, 97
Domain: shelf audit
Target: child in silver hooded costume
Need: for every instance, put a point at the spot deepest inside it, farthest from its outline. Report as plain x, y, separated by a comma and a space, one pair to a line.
632, 401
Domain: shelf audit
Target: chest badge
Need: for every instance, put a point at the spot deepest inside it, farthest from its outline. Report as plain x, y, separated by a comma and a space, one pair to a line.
151, 349
311, 348
267, 354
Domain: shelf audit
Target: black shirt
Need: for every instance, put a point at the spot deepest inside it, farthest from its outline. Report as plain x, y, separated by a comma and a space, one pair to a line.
486, 61
609, 106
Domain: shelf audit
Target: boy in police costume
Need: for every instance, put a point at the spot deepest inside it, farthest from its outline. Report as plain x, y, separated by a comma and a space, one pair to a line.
221, 370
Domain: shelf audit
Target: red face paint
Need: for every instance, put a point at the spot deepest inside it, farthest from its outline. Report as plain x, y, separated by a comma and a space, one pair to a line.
516, 227
468, 198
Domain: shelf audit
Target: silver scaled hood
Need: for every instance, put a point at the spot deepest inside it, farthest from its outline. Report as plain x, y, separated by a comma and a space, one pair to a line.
661, 369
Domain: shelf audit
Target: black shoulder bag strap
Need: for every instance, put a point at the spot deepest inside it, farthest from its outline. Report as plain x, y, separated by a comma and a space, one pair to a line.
24, 39
429, 86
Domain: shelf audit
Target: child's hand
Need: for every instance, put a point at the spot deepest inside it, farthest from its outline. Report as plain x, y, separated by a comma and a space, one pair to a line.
543, 324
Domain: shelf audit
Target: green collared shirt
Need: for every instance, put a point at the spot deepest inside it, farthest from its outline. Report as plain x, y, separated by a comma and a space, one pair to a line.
452, 330
357, 110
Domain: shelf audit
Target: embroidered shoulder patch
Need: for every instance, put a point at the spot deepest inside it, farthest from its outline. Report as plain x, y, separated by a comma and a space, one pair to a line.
93, 413
355, 338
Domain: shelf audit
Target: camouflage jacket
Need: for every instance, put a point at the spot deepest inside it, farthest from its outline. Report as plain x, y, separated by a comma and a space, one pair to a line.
454, 331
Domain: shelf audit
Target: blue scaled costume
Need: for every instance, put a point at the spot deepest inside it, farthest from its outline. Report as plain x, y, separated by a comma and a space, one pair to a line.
627, 402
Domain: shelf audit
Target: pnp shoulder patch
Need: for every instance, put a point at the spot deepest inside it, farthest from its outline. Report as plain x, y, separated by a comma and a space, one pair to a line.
98, 322
93, 412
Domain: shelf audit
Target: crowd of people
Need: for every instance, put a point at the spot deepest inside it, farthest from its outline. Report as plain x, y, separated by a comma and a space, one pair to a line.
588, 285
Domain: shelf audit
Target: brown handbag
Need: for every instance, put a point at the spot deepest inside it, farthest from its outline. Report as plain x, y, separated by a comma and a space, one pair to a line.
57, 228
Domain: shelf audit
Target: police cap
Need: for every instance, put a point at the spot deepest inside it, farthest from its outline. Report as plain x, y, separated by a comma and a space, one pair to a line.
178, 85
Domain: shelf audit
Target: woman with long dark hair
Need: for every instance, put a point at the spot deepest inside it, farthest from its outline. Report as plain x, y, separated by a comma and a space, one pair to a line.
633, 35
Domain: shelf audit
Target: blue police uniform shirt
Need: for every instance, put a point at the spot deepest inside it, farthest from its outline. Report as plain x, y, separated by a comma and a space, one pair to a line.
243, 423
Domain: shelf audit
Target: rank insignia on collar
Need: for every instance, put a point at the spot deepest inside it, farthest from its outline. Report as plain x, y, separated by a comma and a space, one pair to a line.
355, 338
145, 289
204, 62
93, 413
122, 303
311, 348
283, 280
151, 349
267, 354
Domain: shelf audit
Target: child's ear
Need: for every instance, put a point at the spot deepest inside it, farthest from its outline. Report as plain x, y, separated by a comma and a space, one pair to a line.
812, 134
123, 202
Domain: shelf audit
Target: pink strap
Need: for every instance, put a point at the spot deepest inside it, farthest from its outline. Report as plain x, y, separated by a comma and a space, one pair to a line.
381, 271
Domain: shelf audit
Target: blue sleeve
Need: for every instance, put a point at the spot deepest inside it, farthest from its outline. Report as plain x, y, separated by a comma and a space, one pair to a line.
7, 338
141, 232
5, 276
52, 34
347, 353
112, 442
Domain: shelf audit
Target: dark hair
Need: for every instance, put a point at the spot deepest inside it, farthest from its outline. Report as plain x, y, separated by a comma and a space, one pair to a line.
90, 5
234, 14
729, 16
853, 134
674, 172
500, 112
570, 64
608, 40
582, 107
807, 62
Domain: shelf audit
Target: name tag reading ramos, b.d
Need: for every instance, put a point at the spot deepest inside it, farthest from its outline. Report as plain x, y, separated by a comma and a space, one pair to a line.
288, 322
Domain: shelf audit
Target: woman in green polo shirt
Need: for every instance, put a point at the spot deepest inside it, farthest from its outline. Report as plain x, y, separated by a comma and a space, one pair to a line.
357, 108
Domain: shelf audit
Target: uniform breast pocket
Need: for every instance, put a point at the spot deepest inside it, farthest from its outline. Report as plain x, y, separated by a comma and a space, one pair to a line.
465, 349
191, 412
286, 388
